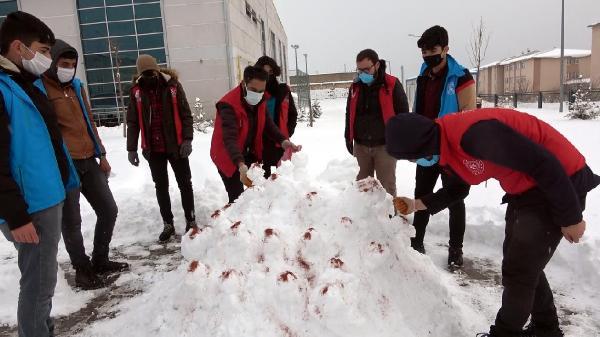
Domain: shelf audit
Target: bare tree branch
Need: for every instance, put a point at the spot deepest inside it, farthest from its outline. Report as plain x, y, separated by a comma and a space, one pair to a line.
478, 46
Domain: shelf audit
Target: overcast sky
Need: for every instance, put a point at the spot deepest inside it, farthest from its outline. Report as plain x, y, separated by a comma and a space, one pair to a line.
332, 32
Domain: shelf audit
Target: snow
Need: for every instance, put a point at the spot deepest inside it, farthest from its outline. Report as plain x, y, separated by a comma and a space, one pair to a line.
355, 276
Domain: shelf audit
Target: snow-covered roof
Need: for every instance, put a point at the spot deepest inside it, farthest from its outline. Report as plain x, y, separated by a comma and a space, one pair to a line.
553, 53
594, 25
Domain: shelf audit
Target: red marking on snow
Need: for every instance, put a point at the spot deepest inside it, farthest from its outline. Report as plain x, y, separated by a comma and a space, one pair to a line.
336, 263
193, 266
270, 232
324, 290
287, 331
305, 265
235, 226
346, 220
274, 176
369, 185
307, 236
227, 206
226, 274
261, 258
285, 277
378, 247
216, 214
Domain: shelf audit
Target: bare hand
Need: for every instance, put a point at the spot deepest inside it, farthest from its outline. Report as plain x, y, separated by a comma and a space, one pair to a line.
105, 166
405, 206
244, 175
287, 144
26, 234
574, 233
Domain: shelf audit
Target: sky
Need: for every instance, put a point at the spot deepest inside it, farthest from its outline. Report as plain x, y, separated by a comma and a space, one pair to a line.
332, 32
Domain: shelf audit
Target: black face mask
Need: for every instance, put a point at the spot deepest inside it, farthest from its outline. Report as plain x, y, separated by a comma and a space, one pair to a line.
149, 81
433, 60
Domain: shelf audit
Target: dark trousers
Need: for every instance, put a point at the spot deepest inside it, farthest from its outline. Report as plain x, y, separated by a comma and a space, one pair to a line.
426, 178
181, 167
233, 185
95, 189
271, 157
531, 240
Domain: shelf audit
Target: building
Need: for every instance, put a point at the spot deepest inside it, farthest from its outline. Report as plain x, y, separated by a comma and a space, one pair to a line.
595, 59
534, 72
328, 81
208, 42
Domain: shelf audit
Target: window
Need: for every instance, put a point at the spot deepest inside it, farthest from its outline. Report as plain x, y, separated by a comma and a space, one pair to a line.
7, 7
130, 27
248, 10
273, 46
263, 36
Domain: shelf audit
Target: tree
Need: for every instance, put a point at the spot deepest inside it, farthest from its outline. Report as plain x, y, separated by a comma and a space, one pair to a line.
201, 122
478, 48
582, 106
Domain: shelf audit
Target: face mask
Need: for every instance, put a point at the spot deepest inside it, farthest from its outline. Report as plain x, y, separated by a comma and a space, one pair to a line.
433, 60
429, 161
253, 98
65, 75
38, 65
366, 78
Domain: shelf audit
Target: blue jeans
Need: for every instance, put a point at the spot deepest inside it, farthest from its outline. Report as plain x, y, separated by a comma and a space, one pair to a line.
38, 267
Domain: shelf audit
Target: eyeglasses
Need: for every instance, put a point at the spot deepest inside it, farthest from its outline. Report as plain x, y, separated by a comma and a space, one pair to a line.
364, 70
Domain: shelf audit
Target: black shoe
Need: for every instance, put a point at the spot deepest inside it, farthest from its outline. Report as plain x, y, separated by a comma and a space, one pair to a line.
455, 257
168, 231
537, 331
86, 279
189, 225
109, 267
418, 246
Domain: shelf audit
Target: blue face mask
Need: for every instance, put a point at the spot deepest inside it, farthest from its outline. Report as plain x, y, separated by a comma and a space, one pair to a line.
366, 78
429, 161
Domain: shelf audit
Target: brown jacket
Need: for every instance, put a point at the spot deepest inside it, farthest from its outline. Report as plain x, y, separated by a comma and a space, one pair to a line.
71, 121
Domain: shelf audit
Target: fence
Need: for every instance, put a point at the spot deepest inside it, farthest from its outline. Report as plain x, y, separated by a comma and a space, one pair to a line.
541, 98
108, 116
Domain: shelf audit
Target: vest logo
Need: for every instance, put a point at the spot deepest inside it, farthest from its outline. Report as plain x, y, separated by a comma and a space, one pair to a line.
173, 92
451, 89
477, 167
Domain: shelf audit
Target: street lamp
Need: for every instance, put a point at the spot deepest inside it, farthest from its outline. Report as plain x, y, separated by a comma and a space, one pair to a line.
295, 46
310, 112
562, 57
413, 35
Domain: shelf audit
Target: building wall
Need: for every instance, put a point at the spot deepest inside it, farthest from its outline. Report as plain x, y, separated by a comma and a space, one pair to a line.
549, 75
196, 35
61, 17
595, 59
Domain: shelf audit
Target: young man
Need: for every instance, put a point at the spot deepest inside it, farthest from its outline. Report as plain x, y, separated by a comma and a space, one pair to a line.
443, 87
241, 125
546, 180
35, 167
280, 108
159, 111
374, 98
75, 120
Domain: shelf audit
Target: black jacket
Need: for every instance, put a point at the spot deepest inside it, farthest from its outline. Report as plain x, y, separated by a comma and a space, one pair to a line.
369, 127
168, 79
13, 207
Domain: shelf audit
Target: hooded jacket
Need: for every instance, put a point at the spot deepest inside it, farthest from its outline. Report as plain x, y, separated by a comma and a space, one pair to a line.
72, 108
177, 120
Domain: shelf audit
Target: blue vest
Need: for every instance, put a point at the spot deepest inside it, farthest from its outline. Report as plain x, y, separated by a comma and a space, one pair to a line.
449, 99
32, 159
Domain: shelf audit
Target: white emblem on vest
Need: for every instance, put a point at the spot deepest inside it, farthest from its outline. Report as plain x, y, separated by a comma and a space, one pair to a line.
475, 166
451, 89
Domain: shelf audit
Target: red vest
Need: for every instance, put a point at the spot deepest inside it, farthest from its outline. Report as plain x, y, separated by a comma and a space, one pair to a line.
386, 99
218, 152
474, 171
137, 94
284, 115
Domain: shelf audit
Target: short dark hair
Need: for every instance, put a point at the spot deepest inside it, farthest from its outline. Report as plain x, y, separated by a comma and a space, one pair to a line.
71, 55
368, 54
255, 73
25, 27
434, 36
267, 61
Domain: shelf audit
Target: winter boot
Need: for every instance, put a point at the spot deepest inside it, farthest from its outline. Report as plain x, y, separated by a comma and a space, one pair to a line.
86, 278
109, 267
418, 246
168, 231
189, 225
538, 331
455, 257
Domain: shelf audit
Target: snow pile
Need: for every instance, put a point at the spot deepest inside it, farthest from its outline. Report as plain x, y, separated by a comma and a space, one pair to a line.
300, 257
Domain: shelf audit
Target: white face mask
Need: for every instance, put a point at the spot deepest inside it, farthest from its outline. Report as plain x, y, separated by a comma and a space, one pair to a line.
65, 75
38, 64
253, 98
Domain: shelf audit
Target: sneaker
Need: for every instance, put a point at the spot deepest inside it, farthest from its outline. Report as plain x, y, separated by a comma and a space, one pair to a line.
86, 279
418, 246
455, 257
168, 231
536, 331
109, 267
189, 225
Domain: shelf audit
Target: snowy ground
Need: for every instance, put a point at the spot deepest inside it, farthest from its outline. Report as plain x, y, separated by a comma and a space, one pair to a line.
309, 254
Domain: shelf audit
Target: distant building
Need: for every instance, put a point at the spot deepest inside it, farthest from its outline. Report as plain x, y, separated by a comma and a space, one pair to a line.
328, 81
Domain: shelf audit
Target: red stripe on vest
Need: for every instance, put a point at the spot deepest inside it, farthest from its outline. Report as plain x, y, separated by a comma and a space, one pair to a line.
218, 152
284, 116
176, 116
475, 171
138, 100
386, 99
